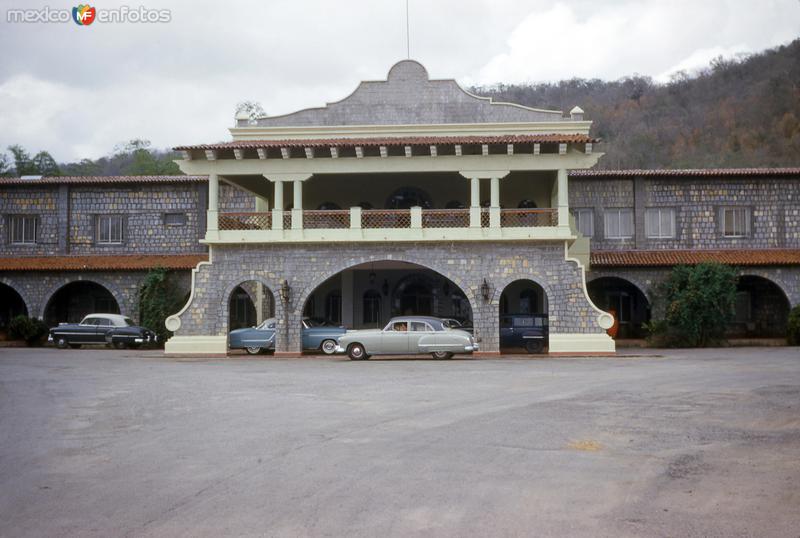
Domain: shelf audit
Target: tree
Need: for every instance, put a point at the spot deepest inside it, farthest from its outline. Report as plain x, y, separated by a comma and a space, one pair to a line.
159, 298
697, 303
23, 164
5, 166
45, 164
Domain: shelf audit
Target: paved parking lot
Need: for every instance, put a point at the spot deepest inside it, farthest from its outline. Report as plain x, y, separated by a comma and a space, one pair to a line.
686, 443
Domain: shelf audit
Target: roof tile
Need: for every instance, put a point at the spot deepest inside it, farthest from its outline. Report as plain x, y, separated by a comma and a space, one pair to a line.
101, 263
665, 258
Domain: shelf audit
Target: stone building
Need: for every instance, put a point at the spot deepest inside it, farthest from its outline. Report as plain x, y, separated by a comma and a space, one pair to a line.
408, 196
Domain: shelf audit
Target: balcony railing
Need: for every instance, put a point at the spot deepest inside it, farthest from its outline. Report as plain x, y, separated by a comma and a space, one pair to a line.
391, 218
245, 221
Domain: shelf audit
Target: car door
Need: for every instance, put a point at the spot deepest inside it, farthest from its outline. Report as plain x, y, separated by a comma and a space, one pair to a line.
394, 339
506, 332
421, 338
84, 332
101, 329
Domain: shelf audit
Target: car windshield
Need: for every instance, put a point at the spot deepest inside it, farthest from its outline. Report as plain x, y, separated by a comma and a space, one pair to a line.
267, 324
451, 323
317, 322
129, 322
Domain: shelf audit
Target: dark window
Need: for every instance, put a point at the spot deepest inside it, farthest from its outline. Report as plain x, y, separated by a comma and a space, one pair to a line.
175, 219
407, 197
333, 306
23, 229
110, 229
372, 307
328, 206
526, 204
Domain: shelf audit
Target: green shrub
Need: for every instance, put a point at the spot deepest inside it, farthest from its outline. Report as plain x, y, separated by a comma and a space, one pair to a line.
793, 327
697, 304
32, 330
159, 298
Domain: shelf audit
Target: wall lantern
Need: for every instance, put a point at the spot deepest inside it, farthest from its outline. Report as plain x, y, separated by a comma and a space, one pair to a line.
385, 287
485, 291
286, 291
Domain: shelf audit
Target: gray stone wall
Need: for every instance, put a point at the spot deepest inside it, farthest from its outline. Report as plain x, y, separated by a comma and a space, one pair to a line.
235, 200
773, 203
466, 265
22, 200
37, 287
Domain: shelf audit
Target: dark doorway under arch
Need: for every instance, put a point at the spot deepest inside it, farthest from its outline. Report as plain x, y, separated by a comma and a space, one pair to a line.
11, 305
523, 317
761, 309
72, 302
250, 303
625, 301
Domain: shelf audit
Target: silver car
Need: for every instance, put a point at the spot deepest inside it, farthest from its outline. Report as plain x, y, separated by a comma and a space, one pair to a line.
407, 335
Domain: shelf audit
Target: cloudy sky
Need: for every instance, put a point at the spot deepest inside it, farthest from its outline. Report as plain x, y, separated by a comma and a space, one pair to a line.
78, 91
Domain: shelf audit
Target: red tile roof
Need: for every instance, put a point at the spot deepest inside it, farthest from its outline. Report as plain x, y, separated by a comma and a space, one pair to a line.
687, 172
81, 180
102, 263
394, 141
665, 258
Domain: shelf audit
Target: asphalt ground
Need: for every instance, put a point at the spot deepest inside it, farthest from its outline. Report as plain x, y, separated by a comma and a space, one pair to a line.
652, 443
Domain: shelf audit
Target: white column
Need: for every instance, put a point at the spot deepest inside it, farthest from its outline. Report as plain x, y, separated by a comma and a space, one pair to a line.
563, 198
277, 211
297, 208
213, 203
262, 204
494, 203
475, 202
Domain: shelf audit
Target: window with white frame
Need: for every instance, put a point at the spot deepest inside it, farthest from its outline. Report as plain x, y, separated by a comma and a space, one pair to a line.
23, 229
110, 229
584, 221
618, 223
735, 221
659, 222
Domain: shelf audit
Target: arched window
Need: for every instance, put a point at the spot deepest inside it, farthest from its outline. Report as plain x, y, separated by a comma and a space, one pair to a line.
407, 197
333, 306
371, 307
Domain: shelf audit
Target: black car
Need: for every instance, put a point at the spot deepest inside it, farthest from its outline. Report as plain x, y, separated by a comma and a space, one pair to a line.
112, 329
528, 331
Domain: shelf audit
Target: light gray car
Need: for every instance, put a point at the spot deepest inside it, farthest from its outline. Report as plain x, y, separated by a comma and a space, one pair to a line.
407, 335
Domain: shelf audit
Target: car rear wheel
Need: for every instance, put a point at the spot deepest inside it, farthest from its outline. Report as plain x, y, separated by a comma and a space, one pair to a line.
357, 352
328, 347
253, 350
119, 344
534, 346
442, 354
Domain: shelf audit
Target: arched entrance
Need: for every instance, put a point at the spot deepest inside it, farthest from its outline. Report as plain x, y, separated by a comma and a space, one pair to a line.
761, 309
11, 305
523, 317
367, 295
249, 304
625, 301
77, 299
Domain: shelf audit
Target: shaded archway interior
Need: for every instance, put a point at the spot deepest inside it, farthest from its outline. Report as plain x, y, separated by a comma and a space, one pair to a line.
77, 299
249, 304
11, 305
623, 300
523, 306
369, 294
761, 310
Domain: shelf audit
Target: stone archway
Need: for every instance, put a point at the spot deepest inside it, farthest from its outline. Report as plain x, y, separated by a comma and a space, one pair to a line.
623, 299
74, 300
12, 304
761, 309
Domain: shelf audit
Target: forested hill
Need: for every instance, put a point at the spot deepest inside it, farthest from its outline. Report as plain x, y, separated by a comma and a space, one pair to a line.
733, 114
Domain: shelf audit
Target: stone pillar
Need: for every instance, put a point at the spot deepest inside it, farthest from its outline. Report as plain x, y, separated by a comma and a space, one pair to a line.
277, 211
297, 207
213, 204
347, 298
475, 202
494, 203
563, 198
259, 300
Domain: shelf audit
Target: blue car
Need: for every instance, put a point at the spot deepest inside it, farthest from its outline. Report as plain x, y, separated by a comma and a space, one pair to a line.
318, 334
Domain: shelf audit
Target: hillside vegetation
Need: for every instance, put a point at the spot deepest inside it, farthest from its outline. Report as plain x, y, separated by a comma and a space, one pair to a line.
736, 113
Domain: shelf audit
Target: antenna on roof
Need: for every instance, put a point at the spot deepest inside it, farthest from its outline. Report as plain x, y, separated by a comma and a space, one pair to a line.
408, 40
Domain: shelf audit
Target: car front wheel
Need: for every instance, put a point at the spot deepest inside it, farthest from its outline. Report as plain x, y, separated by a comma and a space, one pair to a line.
62, 343
533, 346
253, 350
328, 347
441, 354
357, 352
